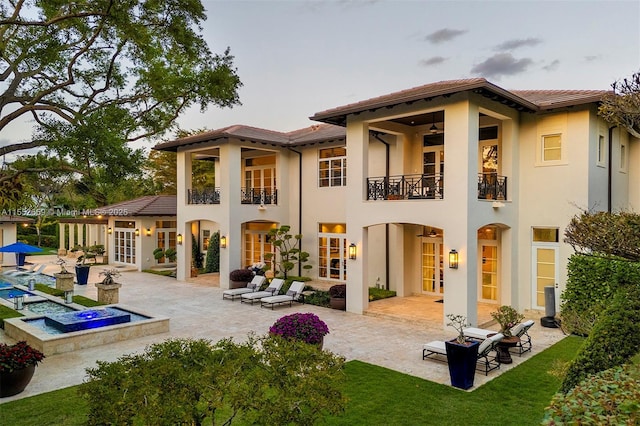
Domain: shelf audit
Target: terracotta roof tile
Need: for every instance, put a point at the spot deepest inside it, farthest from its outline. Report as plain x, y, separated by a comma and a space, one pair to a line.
15, 219
150, 205
548, 99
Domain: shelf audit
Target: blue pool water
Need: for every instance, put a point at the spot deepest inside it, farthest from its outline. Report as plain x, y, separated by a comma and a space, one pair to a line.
41, 324
10, 293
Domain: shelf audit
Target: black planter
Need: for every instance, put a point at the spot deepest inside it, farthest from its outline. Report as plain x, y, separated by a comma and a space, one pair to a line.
13, 383
462, 363
339, 303
82, 274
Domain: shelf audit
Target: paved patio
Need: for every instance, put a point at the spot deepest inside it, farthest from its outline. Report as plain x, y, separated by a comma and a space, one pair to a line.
196, 310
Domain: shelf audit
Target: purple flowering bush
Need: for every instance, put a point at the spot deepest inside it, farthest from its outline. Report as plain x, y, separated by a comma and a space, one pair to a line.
304, 327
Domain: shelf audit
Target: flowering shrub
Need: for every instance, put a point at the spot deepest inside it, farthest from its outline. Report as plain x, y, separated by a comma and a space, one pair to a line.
18, 356
304, 327
507, 317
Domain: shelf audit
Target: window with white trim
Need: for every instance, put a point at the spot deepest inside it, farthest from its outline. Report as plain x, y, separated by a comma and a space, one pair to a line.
602, 152
551, 148
332, 167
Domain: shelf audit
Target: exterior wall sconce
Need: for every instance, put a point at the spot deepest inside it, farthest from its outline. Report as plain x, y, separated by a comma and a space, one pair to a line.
453, 259
223, 242
179, 239
109, 230
353, 251
137, 232
148, 231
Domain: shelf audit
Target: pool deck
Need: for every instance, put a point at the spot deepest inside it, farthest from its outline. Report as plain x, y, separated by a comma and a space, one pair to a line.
196, 310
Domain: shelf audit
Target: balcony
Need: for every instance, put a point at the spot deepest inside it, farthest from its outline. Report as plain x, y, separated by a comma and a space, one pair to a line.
260, 196
405, 187
203, 196
491, 186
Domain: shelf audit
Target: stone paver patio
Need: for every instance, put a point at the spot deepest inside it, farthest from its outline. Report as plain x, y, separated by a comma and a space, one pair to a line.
196, 310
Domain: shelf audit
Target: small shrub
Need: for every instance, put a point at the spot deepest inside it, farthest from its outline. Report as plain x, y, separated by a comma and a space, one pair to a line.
306, 328
318, 298
614, 339
380, 293
241, 275
610, 397
508, 318
338, 291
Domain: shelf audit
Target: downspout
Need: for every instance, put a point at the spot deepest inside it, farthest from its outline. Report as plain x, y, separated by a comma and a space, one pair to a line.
609, 172
299, 201
386, 225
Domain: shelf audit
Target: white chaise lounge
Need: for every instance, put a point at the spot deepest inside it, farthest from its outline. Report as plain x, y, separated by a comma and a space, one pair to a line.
253, 285
293, 295
520, 330
272, 290
437, 350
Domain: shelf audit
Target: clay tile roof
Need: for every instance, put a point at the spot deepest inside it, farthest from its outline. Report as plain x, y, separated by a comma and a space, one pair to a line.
427, 91
317, 133
15, 219
549, 99
239, 131
150, 205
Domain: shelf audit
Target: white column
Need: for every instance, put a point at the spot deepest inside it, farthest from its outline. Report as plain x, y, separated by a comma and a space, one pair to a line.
61, 236
230, 226
72, 235
81, 240
183, 251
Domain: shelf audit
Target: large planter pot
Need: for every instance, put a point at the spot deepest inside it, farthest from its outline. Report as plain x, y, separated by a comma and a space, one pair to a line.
82, 274
64, 281
237, 284
20, 259
339, 303
108, 293
462, 360
16, 381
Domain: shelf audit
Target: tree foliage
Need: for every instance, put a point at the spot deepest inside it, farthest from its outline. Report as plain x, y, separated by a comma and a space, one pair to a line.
94, 75
622, 107
605, 234
265, 380
288, 250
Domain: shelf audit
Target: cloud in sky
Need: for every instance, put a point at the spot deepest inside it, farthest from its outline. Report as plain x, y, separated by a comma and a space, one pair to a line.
434, 60
591, 58
445, 34
552, 66
501, 64
516, 43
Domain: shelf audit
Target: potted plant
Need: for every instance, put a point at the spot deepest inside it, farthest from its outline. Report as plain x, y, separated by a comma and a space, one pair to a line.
108, 289
462, 354
82, 268
306, 328
240, 277
64, 278
508, 318
338, 297
17, 364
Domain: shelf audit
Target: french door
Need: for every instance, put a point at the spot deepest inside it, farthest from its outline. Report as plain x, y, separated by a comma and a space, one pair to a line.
489, 272
332, 261
125, 246
545, 272
165, 239
256, 245
432, 266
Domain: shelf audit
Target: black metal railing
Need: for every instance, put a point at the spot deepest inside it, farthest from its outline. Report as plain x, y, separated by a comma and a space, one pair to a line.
405, 187
259, 196
203, 196
491, 186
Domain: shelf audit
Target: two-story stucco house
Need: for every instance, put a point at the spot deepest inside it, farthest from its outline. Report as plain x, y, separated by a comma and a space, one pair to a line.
458, 189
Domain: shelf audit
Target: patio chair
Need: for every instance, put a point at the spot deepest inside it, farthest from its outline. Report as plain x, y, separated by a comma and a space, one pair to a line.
20, 270
37, 271
253, 285
292, 295
522, 331
437, 350
273, 289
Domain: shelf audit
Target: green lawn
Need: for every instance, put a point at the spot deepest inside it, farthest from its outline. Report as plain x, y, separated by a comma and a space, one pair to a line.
378, 396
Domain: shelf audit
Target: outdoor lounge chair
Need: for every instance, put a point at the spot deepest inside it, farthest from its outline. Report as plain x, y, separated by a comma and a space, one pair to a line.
253, 285
293, 295
273, 289
20, 270
37, 271
520, 330
437, 349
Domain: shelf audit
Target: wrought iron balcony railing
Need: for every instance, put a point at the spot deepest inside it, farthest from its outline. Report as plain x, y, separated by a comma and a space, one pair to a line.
491, 186
203, 196
260, 196
405, 187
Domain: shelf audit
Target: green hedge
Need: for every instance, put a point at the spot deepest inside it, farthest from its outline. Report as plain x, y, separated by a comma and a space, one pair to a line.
615, 338
610, 397
592, 281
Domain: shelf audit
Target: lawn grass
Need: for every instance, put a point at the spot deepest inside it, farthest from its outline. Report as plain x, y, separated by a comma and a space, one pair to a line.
80, 300
377, 396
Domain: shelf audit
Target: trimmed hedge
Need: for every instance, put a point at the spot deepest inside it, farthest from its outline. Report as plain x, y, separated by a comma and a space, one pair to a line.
591, 284
610, 397
615, 338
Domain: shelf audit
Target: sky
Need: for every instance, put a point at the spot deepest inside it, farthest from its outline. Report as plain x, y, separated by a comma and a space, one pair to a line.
296, 58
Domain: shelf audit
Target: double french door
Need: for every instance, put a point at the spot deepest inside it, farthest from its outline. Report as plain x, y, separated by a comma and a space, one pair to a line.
432, 266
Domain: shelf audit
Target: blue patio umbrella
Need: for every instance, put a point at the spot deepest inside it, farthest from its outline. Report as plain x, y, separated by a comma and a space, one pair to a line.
19, 249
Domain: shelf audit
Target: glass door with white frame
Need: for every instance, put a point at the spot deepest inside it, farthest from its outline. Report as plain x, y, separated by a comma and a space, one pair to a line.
545, 261
432, 266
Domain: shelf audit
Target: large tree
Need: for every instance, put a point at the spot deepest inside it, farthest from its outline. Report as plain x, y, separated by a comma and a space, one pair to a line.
95, 74
622, 106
